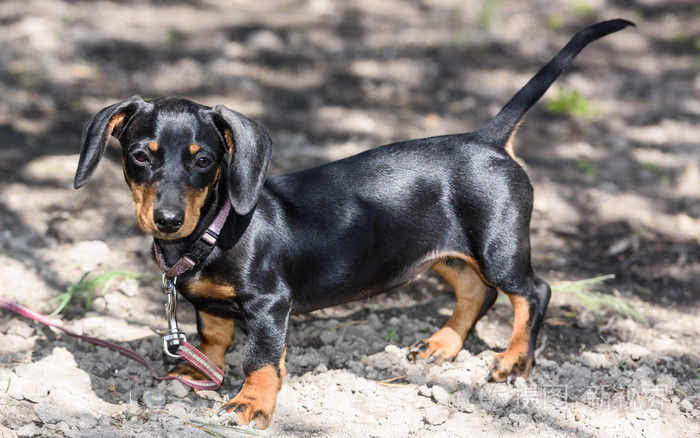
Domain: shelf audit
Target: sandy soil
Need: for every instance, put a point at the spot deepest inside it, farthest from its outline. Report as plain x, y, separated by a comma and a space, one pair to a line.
618, 192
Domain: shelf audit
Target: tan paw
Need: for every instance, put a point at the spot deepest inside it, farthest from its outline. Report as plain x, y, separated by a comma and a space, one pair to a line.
256, 400
443, 346
507, 367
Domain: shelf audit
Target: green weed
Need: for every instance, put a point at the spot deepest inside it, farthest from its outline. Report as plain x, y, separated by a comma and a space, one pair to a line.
652, 167
572, 103
555, 21
588, 167
85, 290
596, 301
582, 7
488, 14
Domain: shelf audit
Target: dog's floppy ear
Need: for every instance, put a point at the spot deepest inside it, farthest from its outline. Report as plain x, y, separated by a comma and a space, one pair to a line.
249, 151
108, 121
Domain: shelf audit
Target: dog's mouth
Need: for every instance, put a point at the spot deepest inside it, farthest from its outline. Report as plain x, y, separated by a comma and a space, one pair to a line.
167, 223
169, 236
166, 229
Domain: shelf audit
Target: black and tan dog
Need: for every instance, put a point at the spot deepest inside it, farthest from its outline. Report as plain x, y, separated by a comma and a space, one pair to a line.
457, 204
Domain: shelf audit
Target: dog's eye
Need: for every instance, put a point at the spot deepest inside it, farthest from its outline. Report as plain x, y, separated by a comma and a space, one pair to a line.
203, 162
140, 156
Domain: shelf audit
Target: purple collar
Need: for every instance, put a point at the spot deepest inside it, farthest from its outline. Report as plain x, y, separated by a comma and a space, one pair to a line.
199, 250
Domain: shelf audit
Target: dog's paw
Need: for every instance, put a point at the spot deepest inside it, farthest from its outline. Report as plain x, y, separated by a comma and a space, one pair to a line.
256, 401
507, 367
443, 346
249, 410
187, 371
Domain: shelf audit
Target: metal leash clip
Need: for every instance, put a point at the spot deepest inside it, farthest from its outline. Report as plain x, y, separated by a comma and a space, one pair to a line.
174, 338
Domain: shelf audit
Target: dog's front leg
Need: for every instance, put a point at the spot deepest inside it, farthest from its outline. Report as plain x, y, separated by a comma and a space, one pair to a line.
216, 333
267, 318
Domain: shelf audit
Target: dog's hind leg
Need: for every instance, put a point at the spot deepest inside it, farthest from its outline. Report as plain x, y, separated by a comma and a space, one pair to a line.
528, 313
474, 298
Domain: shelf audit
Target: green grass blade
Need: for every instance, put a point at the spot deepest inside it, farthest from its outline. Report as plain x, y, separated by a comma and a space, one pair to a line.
84, 290
596, 301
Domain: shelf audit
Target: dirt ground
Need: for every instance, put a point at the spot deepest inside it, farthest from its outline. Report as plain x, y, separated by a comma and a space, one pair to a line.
617, 186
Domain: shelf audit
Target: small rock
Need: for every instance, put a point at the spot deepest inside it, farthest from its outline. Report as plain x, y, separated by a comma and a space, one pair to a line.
460, 400
619, 246
382, 361
594, 360
463, 356
436, 415
85, 421
394, 351
208, 395
374, 322
415, 376
329, 337
440, 395
29, 430
50, 414
178, 389
686, 405
88, 254
153, 398
320, 368
667, 380
266, 40
425, 391
20, 328
546, 363
129, 287
643, 371
628, 350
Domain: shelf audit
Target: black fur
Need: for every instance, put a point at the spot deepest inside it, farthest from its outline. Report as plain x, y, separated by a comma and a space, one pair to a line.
346, 230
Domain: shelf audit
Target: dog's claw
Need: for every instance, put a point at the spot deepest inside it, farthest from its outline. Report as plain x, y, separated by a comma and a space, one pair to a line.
416, 349
508, 371
426, 351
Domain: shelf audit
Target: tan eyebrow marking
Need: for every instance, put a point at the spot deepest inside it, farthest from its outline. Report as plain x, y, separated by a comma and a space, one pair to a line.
194, 148
153, 146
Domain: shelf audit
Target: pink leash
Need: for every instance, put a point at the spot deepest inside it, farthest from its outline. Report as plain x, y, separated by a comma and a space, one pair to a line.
186, 351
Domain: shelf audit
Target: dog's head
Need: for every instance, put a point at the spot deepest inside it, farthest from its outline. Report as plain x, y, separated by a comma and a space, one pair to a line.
174, 153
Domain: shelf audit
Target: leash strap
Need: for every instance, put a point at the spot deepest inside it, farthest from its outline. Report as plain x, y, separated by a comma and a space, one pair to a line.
186, 351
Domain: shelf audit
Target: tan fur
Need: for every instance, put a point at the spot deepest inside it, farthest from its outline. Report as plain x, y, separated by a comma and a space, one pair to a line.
515, 358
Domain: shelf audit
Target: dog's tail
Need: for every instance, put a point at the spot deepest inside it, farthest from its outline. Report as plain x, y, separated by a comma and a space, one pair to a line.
504, 124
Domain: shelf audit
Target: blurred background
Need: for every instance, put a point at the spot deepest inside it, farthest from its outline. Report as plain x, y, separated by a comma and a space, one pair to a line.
613, 147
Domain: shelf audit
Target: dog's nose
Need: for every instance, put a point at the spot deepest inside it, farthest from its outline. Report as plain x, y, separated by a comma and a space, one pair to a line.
168, 221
